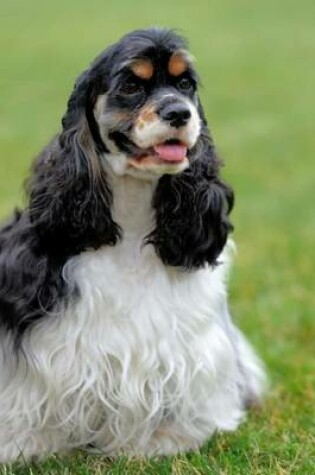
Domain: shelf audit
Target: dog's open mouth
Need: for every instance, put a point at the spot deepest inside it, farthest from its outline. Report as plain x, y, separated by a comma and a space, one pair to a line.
172, 152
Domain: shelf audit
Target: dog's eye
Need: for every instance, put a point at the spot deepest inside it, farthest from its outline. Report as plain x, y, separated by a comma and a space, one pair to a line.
131, 87
184, 84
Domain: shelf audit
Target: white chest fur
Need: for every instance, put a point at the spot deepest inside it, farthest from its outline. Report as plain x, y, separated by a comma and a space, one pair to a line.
143, 346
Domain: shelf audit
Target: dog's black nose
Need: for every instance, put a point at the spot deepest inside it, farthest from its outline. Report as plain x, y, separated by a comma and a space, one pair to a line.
176, 114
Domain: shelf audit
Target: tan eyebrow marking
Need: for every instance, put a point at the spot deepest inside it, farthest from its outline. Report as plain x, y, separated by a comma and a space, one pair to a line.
178, 63
142, 68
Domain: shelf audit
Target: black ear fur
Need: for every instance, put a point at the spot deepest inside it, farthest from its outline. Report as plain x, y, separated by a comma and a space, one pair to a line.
31, 283
192, 209
68, 212
69, 198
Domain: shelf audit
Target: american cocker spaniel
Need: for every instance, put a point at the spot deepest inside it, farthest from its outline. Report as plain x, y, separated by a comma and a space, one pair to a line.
115, 333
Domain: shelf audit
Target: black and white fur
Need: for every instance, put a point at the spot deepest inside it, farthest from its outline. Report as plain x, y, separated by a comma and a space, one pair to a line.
115, 333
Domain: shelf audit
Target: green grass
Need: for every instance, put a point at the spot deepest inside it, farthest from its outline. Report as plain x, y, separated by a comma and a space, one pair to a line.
257, 62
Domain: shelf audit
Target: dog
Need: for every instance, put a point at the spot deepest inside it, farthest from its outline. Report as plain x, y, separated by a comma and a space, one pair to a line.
115, 332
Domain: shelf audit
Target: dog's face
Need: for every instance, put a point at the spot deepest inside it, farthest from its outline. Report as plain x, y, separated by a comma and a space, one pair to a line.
148, 116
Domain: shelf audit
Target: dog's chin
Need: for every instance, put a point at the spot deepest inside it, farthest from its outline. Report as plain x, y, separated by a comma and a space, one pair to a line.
154, 164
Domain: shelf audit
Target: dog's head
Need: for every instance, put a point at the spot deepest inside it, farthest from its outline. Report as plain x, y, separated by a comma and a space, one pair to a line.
135, 111
142, 95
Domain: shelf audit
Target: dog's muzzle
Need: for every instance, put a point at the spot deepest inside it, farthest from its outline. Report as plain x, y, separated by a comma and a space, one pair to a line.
176, 114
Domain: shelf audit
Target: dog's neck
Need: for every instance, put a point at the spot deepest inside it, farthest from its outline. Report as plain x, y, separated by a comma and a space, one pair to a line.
132, 204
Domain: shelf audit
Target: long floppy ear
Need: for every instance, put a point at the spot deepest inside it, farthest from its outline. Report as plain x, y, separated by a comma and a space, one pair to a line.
70, 200
192, 209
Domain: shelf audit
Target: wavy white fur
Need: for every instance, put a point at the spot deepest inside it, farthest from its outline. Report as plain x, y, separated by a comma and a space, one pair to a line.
147, 361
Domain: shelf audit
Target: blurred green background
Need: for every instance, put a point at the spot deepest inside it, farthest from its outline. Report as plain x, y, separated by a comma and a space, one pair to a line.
257, 63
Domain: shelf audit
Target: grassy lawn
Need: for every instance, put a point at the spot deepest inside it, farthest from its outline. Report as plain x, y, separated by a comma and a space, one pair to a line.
257, 62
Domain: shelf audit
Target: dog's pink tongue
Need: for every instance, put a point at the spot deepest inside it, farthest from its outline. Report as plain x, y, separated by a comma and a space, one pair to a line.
171, 152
